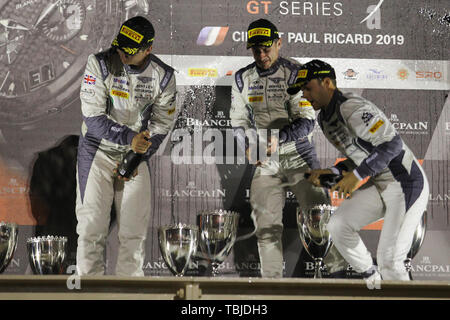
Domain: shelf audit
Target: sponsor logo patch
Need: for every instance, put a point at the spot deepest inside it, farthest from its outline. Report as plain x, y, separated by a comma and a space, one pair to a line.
130, 33
88, 79
255, 99
402, 74
255, 87
259, 32
203, 72
302, 74
121, 81
303, 104
120, 94
366, 117
276, 79
87, 93
350, 74
376, 126
145, 79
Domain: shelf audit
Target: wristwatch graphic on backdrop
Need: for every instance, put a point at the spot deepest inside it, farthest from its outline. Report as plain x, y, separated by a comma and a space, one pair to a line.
44, 45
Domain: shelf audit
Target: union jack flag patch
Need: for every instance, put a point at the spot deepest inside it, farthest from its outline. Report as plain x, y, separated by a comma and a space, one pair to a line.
89, 79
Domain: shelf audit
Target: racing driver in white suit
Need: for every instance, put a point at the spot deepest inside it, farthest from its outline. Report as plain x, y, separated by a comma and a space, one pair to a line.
397, 190
260, 101
128, 102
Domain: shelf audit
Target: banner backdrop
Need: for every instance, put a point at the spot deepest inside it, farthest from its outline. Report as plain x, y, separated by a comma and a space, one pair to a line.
393, 53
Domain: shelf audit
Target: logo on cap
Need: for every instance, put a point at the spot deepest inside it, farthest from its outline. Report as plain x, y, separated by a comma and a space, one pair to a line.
130, 51
302, 73
130, 33
259, 32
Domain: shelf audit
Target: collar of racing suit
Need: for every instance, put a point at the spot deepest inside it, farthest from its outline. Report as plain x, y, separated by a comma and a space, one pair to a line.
270, 71
337, 99
135, 70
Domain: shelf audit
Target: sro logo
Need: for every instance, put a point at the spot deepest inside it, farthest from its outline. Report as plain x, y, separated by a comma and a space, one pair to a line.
254, 6
429, 75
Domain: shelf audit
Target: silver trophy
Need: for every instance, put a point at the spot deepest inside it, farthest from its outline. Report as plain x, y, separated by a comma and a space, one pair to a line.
218, 230
312, 226
419, 236
47, 254
178, 244
8, 243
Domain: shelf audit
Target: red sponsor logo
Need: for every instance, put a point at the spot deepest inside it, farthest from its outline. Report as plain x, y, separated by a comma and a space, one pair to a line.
403, 74
431, 75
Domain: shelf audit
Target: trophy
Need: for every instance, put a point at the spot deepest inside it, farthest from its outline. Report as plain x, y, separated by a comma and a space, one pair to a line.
312, 226
178, 244
8, 243
419, 236
47, 254
218, 230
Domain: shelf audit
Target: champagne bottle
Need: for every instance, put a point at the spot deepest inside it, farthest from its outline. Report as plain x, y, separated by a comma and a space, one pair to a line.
129, 163
327, 180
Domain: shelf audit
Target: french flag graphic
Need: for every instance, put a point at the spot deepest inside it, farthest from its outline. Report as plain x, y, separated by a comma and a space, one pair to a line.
212, 36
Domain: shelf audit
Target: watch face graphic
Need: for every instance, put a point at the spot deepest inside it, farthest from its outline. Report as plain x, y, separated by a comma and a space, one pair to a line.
65, 21
44, 45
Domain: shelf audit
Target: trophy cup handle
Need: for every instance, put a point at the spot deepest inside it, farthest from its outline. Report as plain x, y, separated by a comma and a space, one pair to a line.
419, 236
408, 267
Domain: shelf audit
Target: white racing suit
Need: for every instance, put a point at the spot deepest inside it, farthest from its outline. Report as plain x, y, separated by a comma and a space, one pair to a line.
117, 102
259, 99
396, 191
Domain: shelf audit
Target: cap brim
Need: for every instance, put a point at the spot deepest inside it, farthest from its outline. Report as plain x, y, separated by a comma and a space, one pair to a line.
293, 90
296, 87
265, 43
126, 48
128, 51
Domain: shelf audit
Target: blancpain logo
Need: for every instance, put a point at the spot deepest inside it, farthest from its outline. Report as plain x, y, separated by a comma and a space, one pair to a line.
289, 195
426, 268
440, 197
161, 265
222, 123
190, 191
419, 127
